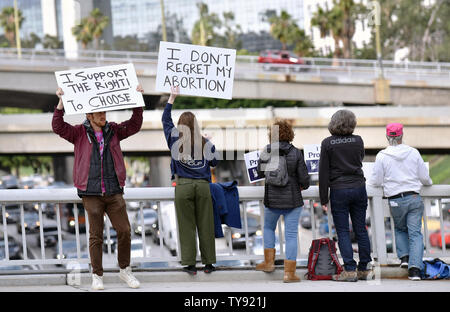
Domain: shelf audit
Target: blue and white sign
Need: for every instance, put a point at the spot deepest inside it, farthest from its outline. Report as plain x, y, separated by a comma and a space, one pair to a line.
251, 163
311, 154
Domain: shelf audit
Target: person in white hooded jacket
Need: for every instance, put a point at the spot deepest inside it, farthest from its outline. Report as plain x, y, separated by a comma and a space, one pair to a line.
401, 171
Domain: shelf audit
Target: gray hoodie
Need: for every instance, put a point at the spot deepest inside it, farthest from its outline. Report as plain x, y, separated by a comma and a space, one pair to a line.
399, 169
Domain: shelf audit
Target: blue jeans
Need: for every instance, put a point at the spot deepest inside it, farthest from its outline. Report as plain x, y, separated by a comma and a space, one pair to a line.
353, 202
291, 217
407, 213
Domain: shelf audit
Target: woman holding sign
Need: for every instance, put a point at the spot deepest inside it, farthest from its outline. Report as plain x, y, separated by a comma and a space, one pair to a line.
192, 157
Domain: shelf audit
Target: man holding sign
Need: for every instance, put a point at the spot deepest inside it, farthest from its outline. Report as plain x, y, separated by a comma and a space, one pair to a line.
99, 175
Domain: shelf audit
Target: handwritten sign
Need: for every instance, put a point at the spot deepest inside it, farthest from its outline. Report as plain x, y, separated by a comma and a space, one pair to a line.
99, 89
251, 163
198, 70
311, 154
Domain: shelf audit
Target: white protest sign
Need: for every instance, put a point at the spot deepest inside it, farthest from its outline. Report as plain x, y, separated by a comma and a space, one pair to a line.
98, 89
251, 163
198, 70
311, 154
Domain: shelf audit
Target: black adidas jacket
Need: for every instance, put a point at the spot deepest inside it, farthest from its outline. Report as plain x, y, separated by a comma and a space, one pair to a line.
340, 164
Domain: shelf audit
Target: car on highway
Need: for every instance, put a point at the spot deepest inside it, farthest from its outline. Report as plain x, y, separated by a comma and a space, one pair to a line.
68, 247
30, 222
150, 221
15, 251
137, 249
112, 240
280, 57
50, 233
436, 237
238, 235
76, 265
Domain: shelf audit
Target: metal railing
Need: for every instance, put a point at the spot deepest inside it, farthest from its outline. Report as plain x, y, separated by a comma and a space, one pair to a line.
378, 215
416, 70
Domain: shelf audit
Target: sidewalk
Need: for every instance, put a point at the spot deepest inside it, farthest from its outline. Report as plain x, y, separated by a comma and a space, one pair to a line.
390, 279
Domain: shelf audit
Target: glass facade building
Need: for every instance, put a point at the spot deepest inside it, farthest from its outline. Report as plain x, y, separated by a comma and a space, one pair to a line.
139, 17
31, 11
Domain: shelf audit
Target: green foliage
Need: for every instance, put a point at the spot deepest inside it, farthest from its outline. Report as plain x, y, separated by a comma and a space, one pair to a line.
286, 30
31, 41
423, 29
17, 110
440, 170
25, 163
52, 42
7, 22
90, 28
204, 30
185, 102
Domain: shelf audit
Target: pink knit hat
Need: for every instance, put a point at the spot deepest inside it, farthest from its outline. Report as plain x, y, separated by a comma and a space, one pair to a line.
394, 129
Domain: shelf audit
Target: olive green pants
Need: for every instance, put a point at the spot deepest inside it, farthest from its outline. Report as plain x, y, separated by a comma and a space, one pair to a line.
194, 209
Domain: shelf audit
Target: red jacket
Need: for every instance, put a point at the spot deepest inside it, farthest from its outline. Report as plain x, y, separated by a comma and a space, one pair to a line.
78, 136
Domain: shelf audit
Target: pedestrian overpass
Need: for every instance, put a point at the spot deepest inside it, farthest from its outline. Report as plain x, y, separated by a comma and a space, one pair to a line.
30, 81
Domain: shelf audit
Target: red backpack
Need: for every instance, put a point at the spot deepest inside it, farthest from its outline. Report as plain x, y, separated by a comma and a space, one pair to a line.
322, 260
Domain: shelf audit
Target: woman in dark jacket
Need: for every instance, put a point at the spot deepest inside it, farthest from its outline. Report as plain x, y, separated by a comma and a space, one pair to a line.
340, 170
283, 200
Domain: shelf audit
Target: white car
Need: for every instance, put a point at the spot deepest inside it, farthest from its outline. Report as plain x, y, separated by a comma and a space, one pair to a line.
137, 249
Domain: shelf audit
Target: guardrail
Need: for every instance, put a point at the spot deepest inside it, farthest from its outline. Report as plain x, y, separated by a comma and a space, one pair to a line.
378, 214
390, 67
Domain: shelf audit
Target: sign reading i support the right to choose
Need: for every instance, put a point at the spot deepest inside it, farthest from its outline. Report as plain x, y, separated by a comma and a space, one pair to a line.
197, 70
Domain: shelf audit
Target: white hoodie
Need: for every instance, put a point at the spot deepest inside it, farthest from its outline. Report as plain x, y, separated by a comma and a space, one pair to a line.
399, 169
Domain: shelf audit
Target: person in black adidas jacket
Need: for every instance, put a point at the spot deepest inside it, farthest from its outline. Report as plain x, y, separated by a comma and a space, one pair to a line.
340, 170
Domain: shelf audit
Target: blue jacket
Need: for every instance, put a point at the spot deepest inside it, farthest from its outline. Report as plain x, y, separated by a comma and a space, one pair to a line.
225, 197
194, 169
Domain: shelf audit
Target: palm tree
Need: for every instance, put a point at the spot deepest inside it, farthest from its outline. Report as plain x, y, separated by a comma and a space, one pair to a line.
203, 30
304, 47
90, 28
283, 28
98, 22
7, 21
329, 23
83, 32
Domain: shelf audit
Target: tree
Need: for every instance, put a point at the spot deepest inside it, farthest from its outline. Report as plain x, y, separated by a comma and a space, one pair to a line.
286, 30
232, 32
83, 32
203, 32
304, 47
283, 28
7, 21
90, 28
31, 42
422, 28
339, 22
98, 22
52, 42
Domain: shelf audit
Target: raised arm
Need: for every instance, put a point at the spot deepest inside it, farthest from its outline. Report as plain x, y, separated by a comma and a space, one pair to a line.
59, 126
132, 125
168, 125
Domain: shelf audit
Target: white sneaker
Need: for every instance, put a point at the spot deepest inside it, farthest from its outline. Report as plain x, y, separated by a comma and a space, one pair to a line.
97, 282
126, 276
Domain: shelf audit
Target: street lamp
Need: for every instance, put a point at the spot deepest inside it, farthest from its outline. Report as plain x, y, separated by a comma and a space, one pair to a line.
16, 23
163, 22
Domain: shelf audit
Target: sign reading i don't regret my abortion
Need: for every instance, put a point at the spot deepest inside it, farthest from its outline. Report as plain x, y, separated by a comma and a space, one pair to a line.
197, 70
99, 89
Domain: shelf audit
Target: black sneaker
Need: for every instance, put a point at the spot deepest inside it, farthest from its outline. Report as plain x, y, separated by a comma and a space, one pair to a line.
404, 262
191, 269
414, 274
209, 268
